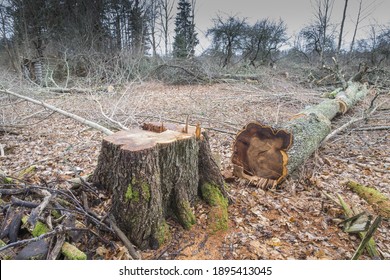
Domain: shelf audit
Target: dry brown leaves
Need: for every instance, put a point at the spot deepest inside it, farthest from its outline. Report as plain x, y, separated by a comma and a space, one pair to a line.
295, 221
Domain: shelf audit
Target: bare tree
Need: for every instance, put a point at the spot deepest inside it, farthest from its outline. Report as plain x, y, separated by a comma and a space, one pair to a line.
323, 13
362, 14
227, 36
263, 39
342, 26
166, 16
153, 14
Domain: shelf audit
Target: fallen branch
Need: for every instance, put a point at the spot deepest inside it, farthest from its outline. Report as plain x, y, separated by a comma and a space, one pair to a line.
371, 128
375, 198
352, 121
62, 112
22, 203
130, 247
2, 154
57, 230
371, 245
36, 212
367, 238
53, 255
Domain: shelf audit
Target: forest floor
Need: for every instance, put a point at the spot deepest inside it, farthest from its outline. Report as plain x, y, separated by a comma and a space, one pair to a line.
294, 221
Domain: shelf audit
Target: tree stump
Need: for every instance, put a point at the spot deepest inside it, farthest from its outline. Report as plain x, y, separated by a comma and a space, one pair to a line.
152, 173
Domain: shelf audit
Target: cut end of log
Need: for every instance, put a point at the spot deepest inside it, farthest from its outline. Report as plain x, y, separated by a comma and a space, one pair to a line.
259, 151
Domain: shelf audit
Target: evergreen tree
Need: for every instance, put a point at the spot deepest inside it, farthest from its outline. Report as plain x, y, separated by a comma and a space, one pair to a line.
185, 36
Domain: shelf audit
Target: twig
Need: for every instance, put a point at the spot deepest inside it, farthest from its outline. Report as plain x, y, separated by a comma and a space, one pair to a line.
2, 154
372, 128
38, 210
22, 203
182, 249
344, 126
371, 245
62, 112
57, 230
53, 255
14, 191
124, 239
181, 122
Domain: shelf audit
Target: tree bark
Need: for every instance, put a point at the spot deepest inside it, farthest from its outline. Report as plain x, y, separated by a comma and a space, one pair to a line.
306, 131
152, 174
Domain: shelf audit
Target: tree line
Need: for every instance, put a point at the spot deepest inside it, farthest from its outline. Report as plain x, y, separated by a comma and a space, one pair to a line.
76, 30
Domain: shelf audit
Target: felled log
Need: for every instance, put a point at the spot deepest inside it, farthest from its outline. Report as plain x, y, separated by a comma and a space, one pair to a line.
268, 154
152, 173
379, 201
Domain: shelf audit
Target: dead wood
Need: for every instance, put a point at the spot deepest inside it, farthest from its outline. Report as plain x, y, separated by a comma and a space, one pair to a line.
57, 230
370, 245
54, 253
379, 201
36, 212
367, 238
268, 154
22, 203
372, 128
130, 247
62, 112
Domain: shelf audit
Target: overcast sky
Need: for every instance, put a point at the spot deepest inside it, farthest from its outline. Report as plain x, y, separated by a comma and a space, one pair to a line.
295, 13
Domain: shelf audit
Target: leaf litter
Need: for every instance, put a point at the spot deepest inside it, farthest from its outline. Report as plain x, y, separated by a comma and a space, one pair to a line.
294, 221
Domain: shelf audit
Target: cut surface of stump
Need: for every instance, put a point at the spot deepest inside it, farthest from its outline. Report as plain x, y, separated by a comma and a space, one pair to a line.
152, 174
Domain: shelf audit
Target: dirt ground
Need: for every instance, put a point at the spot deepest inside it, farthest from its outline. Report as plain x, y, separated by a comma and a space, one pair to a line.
294, 221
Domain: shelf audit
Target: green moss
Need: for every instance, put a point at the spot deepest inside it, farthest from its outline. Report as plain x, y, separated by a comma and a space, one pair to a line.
2, 243
72, 253
131, 194
186, 216
162, 233
39, 229
56, 214
212, 195
378, 200
218, 216
145, 191
8, 180
27, 171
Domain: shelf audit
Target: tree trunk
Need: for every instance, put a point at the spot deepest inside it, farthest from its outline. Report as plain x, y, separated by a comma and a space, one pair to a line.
154, 173
267, 155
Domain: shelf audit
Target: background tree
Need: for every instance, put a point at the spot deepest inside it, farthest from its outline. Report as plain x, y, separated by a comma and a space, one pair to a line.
166, 16
319, 35
227, 36
342, 26
185, 39
263, 40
